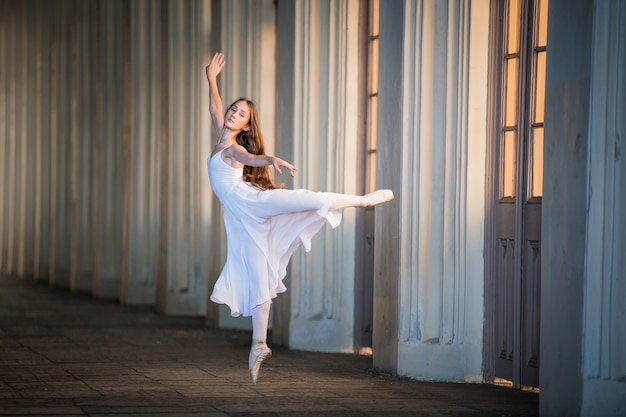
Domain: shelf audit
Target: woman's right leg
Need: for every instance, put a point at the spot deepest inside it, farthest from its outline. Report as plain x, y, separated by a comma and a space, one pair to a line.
282, 201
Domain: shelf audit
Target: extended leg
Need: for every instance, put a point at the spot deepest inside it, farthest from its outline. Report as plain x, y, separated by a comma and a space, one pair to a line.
341, 201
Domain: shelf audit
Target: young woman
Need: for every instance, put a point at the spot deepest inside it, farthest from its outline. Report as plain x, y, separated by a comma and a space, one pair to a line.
264, 223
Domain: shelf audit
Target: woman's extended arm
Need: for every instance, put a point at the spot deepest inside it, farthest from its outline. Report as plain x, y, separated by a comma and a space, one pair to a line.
215, 101
240, 154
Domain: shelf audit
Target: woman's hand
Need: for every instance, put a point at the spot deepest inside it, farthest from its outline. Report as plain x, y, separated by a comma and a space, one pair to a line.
215, 101
215, 67
277, 163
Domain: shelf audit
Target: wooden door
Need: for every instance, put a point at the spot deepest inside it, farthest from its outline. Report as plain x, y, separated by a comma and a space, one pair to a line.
517, 189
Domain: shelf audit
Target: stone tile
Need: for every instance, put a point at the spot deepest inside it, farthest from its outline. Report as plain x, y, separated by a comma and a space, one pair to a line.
52, 389
40, 407
63, 354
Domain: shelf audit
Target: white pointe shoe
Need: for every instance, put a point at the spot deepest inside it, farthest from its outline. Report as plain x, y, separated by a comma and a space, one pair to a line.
258, 353
377, 197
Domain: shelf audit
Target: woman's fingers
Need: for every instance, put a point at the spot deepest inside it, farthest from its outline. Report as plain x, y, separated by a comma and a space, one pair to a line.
281, 163
219, 60
217, 63
291, 168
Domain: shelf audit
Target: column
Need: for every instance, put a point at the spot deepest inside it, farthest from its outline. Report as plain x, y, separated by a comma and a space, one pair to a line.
432, 240
326, 95
247, 36
604, 335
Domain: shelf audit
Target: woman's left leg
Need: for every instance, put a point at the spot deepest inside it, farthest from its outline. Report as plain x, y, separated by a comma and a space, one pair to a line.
259, 351
260, 320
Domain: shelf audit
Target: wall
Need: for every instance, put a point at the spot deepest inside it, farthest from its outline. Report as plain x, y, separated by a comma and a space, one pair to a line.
103, 147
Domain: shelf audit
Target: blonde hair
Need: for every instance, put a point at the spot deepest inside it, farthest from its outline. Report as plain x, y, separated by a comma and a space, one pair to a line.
261, 178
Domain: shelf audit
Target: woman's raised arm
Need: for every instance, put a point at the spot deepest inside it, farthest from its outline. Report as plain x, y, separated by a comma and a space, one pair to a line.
216, 108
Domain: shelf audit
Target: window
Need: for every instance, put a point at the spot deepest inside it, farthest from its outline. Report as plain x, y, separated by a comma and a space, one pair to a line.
372, 97
523, 89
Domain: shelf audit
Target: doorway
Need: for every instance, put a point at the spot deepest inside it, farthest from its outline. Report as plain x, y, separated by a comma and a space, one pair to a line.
514, 191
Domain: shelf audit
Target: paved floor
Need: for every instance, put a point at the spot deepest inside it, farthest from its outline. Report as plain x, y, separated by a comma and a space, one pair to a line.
63, 354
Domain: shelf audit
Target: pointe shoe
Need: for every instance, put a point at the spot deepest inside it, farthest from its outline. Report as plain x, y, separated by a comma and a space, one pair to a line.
377, 197
258, 353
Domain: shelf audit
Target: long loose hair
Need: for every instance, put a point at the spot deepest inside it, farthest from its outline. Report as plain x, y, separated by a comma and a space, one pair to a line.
261, 178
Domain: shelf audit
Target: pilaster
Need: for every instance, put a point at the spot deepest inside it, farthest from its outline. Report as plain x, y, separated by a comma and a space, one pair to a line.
325, 139
247, 34
442, 168
604, 367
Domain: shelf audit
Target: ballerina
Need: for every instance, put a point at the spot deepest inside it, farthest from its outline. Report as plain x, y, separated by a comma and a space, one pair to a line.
264, 223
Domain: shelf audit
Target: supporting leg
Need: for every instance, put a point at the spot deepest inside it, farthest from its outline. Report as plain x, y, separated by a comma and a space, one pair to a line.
259, 350
260, 320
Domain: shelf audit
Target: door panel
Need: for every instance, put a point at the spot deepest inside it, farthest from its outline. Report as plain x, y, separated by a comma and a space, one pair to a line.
517, 192
505, 290
531, 292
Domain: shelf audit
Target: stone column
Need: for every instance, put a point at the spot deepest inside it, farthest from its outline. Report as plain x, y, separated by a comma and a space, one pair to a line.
564, 212
246, 33
285, 75
60, 148
184, 196
109, 155
582, 285
604, 334
326, 73
429, 271
83, 125
139, 277
42, 167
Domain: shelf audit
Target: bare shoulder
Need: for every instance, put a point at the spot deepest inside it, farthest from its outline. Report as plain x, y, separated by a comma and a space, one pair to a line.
232, 155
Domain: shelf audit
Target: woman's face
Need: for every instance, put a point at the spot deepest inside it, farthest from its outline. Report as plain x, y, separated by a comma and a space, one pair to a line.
238, 116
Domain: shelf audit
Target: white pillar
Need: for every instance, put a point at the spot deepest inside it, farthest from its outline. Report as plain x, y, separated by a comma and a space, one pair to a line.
5, 159
83, 125
103, 148
183, 238
60, 151
326, 92
443, 168
248, 41
139, 280
109, 153
42, 167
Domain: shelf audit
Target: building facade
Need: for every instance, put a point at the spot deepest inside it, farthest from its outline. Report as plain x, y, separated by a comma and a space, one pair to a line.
498, 124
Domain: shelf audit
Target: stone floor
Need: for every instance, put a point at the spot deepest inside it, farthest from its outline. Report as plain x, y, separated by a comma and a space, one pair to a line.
63, 354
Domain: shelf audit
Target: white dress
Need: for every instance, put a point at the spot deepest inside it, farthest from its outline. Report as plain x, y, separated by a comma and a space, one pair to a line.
263, 229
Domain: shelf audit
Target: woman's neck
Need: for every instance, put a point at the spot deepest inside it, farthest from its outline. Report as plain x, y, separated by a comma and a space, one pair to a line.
227, 136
